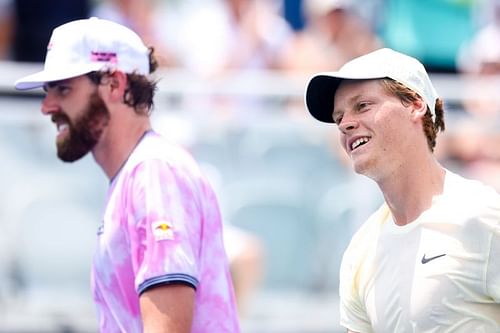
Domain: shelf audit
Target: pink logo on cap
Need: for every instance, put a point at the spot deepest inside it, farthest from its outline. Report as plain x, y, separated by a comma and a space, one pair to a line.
104, 56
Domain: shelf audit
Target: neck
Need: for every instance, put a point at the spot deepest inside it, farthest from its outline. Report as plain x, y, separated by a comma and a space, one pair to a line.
409, 190
118, 142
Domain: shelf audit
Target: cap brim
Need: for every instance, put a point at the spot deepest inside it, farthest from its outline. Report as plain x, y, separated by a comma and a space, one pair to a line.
38, 79
320, 92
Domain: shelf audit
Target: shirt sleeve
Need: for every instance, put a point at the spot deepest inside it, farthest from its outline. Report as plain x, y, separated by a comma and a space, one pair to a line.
164, 224
493, 265
353, 315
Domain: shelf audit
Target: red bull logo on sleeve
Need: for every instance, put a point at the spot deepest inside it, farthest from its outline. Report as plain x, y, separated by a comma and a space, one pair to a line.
162, 230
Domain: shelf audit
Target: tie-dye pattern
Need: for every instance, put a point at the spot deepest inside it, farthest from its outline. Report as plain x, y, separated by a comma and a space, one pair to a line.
161, 224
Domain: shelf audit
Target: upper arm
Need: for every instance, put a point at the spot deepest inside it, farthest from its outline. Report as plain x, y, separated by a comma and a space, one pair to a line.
165, 227
167, 308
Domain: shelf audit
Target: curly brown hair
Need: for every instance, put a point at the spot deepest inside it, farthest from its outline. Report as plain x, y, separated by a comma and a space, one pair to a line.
141, 89
407, 96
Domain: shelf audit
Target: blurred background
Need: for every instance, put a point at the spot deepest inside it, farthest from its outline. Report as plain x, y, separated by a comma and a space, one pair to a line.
232, 78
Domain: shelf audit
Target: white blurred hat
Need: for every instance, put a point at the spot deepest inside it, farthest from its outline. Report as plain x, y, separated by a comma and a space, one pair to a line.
322, 7
382, 63
83, 46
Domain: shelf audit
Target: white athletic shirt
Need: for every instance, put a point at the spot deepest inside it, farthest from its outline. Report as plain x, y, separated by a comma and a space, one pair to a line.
440, 273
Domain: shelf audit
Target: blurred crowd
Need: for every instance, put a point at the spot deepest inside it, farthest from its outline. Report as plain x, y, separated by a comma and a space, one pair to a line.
206, 36
213, 36
294, 35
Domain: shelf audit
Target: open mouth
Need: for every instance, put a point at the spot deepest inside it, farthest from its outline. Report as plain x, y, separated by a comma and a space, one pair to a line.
62, 127
359, 142
61, 122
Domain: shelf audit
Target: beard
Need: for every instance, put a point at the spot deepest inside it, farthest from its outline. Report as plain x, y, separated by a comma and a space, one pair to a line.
85, 131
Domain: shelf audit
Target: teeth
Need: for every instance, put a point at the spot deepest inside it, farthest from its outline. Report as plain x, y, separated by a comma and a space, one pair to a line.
62, 126
358, 143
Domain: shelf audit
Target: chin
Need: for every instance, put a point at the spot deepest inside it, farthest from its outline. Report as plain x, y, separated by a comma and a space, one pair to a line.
365, 168
359, 168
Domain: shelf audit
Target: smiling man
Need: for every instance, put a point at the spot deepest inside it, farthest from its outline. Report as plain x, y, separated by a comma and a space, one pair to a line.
160, 264
428, 260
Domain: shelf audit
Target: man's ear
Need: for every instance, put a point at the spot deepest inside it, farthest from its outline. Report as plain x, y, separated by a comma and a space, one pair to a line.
419, 109
115, 85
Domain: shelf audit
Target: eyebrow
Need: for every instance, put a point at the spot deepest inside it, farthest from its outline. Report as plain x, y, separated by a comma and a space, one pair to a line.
354, 99
351, 100
52, 84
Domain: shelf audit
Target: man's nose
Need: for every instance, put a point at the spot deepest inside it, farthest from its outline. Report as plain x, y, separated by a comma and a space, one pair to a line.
348, 124
49, 105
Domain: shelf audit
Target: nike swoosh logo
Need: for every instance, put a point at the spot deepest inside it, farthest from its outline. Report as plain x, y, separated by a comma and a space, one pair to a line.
426, 260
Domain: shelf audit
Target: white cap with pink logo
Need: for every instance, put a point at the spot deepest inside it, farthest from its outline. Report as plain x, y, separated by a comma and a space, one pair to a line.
83, 46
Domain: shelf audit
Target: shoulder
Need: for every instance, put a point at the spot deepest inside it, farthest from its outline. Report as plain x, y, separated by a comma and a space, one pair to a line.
468, 196
158, 154
371, 228
156, 160
470, 205
155, 146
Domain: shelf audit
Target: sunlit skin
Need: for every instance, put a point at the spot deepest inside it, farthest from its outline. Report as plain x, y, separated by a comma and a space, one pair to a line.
69, 99
79, 122
168, 308
364, 109
396, 154
65, 95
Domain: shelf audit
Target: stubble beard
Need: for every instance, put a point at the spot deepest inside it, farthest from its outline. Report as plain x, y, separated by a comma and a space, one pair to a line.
85, 131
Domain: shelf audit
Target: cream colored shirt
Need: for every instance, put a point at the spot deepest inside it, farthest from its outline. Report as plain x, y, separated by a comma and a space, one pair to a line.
440, 273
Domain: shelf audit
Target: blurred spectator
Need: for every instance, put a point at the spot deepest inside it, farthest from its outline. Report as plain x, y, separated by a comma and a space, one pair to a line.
149, 18
33, 21
479, 61
293, 13
245, 252
217, 36
5, 28
472, 149
334, 34
481, 53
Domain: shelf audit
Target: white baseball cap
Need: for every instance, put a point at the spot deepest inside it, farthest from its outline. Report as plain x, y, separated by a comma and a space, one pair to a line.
382, 63
83, 46
322, 7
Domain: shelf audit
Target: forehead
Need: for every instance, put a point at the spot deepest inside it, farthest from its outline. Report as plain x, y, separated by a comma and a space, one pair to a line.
350, 93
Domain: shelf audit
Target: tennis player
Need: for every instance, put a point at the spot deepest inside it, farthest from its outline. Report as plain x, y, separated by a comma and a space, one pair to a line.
160, 264
429, 259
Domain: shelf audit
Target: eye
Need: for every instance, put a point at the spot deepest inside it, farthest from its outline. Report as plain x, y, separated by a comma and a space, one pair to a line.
337, 118
58, 88
362, 106
62, 90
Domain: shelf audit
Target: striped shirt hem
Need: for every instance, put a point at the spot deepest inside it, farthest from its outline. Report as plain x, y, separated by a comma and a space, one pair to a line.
175, 278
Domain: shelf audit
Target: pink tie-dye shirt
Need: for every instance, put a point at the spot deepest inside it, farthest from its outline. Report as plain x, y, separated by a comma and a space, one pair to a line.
161, 225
